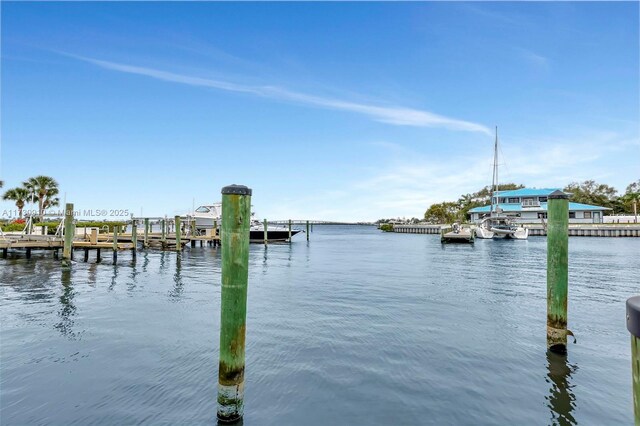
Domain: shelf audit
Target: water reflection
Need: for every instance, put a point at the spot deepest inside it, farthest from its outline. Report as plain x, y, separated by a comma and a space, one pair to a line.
145, 263
92, 274
176, 291
114, 277
67, 310
163, 262
264, 261
561, 400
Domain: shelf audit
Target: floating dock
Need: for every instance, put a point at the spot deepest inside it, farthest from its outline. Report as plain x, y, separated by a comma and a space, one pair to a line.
457, 234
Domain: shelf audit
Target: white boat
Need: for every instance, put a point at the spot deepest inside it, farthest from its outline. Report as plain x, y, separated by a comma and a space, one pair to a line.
498, 225
210, 216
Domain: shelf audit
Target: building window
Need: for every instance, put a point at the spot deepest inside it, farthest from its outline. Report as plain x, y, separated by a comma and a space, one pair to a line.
528, 202
587, 215
543, 199
502, 200
513, 200
572, 215
542, 215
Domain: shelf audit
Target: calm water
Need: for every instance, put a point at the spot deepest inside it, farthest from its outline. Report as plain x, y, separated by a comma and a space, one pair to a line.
356, 327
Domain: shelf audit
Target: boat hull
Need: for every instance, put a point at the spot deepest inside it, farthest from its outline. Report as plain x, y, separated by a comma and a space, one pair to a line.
257, 236
483, 233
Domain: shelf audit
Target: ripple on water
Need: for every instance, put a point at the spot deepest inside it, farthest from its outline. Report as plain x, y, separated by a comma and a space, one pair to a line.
355, 327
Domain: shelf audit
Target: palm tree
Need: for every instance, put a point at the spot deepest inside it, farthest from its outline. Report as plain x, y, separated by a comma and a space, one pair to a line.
633, 197
44, 189
19, 195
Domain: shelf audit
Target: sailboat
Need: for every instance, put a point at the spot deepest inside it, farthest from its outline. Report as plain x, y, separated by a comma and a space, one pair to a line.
499, 225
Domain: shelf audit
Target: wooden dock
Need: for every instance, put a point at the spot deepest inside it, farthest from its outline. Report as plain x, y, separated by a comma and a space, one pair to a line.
457, 234
94, 240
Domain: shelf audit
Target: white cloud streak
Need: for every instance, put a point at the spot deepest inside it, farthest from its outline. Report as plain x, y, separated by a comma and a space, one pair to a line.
395, 115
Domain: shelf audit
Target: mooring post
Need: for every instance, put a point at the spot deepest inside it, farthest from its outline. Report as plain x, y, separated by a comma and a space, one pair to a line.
68, 234
134, 233
178, 230
163, 238
115, 242
557, 270
145, 243
289, 230
307, 230
266, 239
4, 252
236, 220
633, 325
134, 238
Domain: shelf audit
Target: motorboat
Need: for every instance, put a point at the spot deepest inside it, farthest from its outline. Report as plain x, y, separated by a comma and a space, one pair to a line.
210, 217
274, 233
207, 217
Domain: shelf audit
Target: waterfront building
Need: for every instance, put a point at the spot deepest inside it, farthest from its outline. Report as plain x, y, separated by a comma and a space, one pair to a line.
529, 205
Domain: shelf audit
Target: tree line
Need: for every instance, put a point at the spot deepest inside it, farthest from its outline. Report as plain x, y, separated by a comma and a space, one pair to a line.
40, 190
587, 192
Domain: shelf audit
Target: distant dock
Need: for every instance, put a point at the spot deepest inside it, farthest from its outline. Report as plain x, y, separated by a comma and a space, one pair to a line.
575, 230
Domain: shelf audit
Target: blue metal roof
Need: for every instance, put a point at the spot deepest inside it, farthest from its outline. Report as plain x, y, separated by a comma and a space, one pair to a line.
526, 192
543, 207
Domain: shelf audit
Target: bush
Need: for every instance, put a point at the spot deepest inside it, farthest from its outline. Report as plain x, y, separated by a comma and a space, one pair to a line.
13, 227
54, 225
386, 227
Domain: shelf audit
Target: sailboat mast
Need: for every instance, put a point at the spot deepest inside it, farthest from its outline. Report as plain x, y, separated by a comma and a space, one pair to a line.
496, 166
494, 175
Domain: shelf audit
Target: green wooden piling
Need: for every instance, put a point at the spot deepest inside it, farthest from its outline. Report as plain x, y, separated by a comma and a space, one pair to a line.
145, 242
116, 228
289, 230
134, 238
236, 220
307, 230
178, 230
68, 234
134, 233
266, 238
633, 325
193, 227
164, 235
557, 270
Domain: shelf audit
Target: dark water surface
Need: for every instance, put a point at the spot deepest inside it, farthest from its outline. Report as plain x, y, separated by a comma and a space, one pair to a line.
356, 327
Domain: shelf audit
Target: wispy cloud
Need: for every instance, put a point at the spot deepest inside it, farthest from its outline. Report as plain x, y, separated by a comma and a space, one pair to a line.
534, 58
410, 180
396, 115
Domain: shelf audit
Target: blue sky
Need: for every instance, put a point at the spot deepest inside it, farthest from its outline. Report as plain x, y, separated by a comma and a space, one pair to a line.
335, 111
